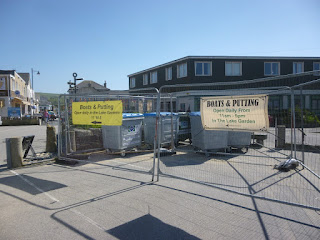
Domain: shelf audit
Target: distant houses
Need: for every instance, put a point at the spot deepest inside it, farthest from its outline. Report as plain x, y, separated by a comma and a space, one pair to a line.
89, 87
17, 98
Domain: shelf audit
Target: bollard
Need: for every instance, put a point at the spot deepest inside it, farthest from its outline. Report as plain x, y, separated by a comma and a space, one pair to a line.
280, 136
14, 152
51, 144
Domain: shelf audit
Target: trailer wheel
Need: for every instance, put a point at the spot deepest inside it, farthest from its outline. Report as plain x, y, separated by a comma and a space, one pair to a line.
245, 149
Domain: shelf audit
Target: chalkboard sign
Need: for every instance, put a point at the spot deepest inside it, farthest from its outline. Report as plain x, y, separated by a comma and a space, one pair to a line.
27, 145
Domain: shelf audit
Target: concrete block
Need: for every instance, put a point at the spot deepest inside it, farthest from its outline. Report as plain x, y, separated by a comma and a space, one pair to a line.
14, 152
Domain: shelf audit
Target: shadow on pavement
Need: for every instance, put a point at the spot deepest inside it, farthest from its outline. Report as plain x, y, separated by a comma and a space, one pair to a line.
21, 183
255, 209
148, 227
190, 159
3, 167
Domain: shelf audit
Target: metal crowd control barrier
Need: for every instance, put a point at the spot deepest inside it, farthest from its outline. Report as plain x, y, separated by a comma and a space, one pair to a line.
262, 168
257, 172
74, 138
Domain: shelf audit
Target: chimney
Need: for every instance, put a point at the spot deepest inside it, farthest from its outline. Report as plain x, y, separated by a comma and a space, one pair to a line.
105, 84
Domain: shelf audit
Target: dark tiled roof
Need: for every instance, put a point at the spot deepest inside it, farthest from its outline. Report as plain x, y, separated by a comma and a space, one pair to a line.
7, 72
25, 77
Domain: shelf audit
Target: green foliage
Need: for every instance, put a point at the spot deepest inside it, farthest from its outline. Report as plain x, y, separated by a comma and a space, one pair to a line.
310, 119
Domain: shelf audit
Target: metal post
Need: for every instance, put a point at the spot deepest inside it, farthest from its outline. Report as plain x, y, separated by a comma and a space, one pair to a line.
75, 82
302, 130
276, 132
158, 133
171, 108
32, 92
154, 143
154, 151
293, 126
59, 129
66, 127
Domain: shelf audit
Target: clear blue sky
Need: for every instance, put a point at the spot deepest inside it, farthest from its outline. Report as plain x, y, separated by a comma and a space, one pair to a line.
109, 39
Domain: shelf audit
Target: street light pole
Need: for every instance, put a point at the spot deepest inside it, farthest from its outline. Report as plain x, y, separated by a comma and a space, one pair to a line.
32, 90
32, 76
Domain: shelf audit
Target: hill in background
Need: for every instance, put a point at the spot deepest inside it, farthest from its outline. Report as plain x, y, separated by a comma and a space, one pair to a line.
49, 99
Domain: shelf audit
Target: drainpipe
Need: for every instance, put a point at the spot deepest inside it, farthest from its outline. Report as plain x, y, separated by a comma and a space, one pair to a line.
9, 86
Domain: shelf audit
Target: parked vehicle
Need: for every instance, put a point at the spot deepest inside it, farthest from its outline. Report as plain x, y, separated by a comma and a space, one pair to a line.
52, 116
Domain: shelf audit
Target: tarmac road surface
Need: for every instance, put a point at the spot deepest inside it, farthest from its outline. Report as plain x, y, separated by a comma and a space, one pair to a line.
109, 197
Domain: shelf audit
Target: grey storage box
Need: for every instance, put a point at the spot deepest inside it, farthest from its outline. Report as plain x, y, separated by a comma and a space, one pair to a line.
164, 125
126, 136
206, 140
238, 139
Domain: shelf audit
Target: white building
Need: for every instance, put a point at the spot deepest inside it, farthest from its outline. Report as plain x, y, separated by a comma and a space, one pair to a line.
17, 98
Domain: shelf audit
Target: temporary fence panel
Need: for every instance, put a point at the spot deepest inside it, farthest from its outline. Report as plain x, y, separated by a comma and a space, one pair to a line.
258, 153
306, 104
276, 159
105, 125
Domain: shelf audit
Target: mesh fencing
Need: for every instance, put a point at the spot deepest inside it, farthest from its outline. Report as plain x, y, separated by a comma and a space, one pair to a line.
257, 163
172, 141
116, 144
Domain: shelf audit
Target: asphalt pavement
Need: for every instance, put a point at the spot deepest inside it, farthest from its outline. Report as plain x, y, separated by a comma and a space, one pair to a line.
112, 197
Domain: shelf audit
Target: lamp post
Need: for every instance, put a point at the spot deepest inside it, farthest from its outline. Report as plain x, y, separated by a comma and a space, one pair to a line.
32, 90
32, 71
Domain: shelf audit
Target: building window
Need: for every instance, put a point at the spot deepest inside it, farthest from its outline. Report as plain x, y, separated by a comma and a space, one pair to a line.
145, 79
182, 70
2, 83
168, 73
182, 107
153, 77
315, 102
274, 103
132, 82
203, 68
298, 67
316, 66
271, 68
233, 68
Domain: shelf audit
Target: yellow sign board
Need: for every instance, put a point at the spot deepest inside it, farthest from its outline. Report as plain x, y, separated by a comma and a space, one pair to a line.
97, 113
235, 112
